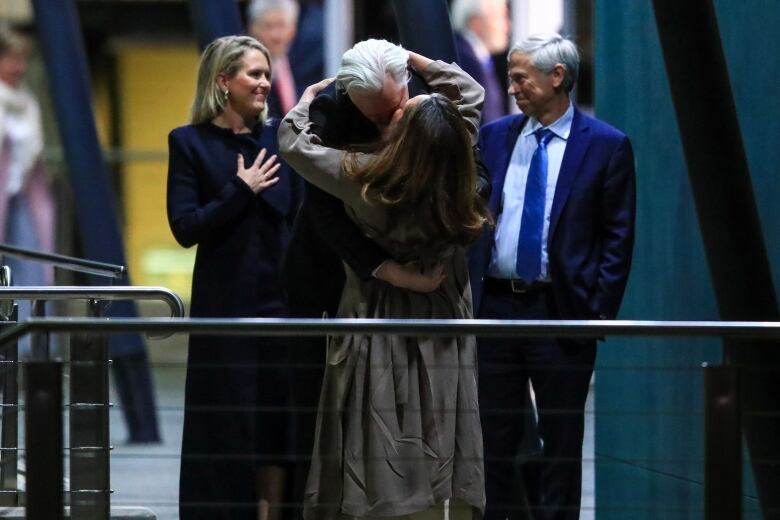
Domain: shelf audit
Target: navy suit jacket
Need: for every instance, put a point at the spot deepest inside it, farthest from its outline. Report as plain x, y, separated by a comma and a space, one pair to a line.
591, 236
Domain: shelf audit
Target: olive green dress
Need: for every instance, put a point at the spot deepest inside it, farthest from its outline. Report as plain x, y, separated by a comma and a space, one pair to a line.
398, 426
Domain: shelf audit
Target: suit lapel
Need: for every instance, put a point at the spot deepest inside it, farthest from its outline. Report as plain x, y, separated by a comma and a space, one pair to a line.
577, 145
502, 161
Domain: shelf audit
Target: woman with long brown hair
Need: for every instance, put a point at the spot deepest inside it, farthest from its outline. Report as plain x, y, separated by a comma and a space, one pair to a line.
398, 429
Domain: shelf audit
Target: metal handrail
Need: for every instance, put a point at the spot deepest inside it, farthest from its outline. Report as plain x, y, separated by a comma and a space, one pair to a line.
309, 327
318, 327
70, 263
104, 293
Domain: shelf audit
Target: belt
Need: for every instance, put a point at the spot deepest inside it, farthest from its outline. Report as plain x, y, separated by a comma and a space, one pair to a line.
515, 287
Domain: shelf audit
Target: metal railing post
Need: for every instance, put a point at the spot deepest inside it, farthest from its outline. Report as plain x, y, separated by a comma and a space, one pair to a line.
39, 342
43, 440
9, 436
89, 424
722, 443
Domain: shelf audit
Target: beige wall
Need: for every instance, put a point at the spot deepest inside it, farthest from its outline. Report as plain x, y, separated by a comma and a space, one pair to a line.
155, 87
16, 11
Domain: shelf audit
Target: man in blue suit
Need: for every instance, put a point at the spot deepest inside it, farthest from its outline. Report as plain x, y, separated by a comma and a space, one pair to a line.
563, 196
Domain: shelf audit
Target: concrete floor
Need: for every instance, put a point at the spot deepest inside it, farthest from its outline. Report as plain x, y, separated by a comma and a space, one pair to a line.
148, 475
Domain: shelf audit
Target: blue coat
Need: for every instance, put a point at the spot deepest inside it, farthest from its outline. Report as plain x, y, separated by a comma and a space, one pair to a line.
591, 236
241, 237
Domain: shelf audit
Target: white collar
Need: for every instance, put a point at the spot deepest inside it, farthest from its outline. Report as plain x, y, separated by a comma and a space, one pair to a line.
561, 127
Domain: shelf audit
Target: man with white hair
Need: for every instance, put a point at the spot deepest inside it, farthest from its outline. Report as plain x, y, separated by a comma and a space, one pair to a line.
370, 90
273, 23
481, 31
564, 202
371, 85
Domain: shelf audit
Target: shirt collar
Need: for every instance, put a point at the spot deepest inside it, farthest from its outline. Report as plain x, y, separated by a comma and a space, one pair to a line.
561, 128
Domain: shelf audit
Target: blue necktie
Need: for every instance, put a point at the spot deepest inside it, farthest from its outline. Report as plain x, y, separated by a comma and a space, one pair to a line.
529, 245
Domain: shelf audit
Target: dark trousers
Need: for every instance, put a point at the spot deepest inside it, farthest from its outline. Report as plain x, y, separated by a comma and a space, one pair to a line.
559, 372
308, 299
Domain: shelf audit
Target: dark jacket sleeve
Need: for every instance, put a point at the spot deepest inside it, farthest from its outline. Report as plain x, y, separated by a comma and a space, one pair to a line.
191, 218
330, 220
484, 187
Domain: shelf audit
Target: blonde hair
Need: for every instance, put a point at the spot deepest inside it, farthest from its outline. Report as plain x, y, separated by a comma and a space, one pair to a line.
222, 56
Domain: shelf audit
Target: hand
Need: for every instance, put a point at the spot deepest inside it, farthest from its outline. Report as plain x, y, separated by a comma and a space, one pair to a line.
260, 175
312, 90
409, 276
418, 61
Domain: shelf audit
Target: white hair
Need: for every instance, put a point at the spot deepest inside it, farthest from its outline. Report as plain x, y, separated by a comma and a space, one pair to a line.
365, 66
548, 49
461, 12
257, 9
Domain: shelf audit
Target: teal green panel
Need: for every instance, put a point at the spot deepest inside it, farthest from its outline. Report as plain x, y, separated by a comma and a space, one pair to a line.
648, 395
660, 495
749, 32
648, 404
631, 491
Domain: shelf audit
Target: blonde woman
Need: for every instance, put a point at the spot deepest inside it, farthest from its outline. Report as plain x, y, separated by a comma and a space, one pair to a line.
228, 194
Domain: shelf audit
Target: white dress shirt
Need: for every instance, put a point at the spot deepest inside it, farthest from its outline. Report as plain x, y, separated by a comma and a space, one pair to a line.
503, 261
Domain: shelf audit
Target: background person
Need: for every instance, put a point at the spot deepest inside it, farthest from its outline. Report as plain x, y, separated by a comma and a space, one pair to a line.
481, 32
26, 205
228, 195
273, 23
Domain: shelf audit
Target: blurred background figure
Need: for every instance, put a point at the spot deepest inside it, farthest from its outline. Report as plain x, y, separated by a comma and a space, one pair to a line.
26, 206
273, 23
482, 31
306, 57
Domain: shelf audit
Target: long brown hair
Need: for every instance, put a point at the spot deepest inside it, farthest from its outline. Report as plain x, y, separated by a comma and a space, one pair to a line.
426, 176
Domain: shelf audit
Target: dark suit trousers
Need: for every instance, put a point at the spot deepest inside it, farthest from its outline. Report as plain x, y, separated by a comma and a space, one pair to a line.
560, 372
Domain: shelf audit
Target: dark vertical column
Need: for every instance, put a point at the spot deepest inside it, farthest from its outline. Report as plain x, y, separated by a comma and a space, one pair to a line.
43, 440
60, 38
722, 444
39, 343
725, 204
424, 27
89, 439
9, 436
214, 18
66, 66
